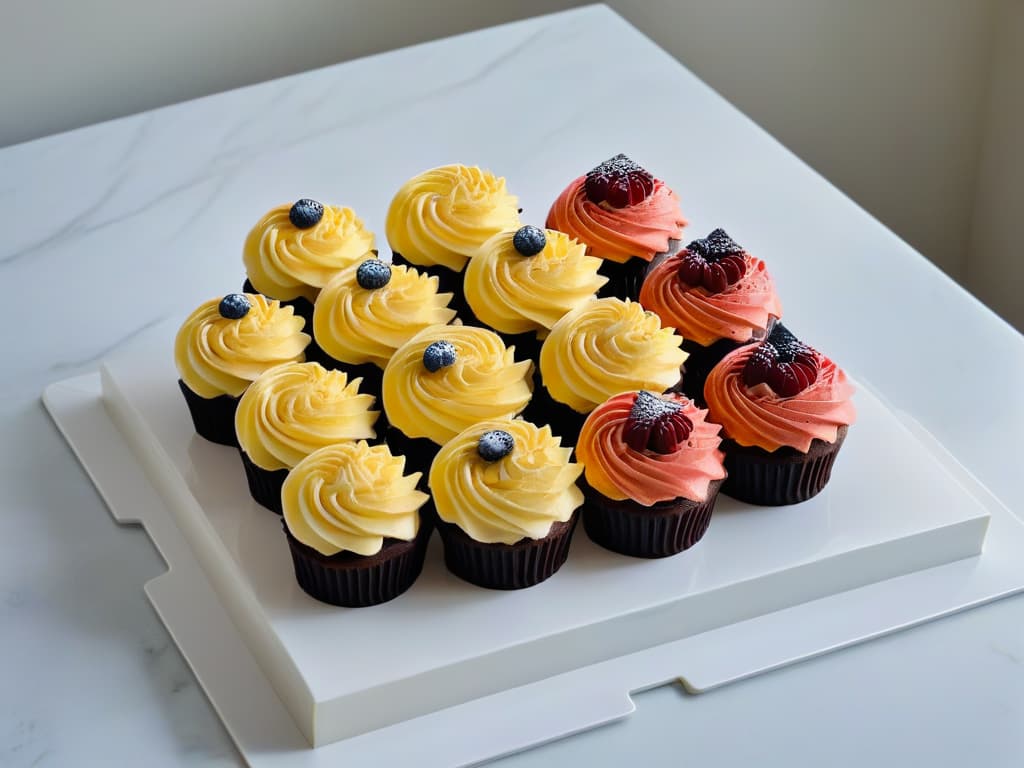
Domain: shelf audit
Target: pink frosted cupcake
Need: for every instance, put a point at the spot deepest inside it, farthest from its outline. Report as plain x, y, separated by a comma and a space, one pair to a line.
717, 296
785, 410
623, 215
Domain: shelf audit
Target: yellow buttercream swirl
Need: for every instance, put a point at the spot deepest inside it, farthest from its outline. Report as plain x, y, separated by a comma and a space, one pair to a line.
485, 382
516, 497
605, 347
358, 325
219, 356
350, 497
513, 293
443, 215
292, 410
286, 262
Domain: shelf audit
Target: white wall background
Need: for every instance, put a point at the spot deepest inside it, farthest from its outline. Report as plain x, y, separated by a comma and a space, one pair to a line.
913, 107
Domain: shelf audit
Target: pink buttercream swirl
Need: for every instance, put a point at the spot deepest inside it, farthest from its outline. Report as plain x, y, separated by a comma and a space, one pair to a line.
739, 312
756, 416
620, 472
617, 234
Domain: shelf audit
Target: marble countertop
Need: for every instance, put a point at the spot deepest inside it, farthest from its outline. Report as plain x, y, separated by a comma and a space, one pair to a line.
112, 228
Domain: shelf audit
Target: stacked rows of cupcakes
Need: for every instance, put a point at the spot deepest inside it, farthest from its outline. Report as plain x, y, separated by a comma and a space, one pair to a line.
496, 380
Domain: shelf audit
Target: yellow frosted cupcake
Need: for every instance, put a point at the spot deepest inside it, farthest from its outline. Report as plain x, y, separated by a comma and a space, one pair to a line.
604, 347
506, 498
223, 346
370, 309
439, 218
445, 379
522, 281
296, 248
353, 525
291, 411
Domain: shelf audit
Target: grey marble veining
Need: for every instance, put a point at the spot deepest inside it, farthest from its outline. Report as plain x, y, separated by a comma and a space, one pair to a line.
109, 229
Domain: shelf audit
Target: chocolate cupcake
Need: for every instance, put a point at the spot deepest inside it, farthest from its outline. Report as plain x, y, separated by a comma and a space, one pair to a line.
369, 310
604, 347
623, 215
506, 497
652, 473
291, 411
222, 347
521, 282
717, 296
784, 409
295, 249
447, 378
439, 218
352, 520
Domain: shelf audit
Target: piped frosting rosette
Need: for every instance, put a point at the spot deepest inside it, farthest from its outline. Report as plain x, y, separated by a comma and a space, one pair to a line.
607, 346
685, 468
350, 497
514, 293
292, 410
758, 416
287, 262
517, 497
366, 325
617, 234
740, 311
441, 216
482, 381
216, 355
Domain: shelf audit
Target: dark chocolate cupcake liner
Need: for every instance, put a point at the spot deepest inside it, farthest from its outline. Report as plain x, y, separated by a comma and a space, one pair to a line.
784, 476
625, 279
264, 484
565, 422
213, 418
661, 530
527, 345
506, 566
354, 581
448, 281
699, 364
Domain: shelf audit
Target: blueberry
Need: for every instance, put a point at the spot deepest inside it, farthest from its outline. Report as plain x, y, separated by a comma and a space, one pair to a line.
438, 355
529, 240
306, 213
495, 444
373, 273
234, 306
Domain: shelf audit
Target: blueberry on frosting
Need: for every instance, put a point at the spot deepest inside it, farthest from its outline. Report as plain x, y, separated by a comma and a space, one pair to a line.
306, 213
529, 240
495, 444
373, 273
234, 306
438, 355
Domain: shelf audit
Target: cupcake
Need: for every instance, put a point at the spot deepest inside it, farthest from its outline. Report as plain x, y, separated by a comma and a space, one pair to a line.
506, 497
447, 378
223, 346
717, 296
623, 215
522, 281
784, 409
604, 347
438, 219
652, 473
296, 248
370, 309
352, 520
291, 411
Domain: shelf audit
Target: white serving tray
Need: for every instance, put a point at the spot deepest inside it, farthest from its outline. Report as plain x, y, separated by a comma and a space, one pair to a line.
896, 506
